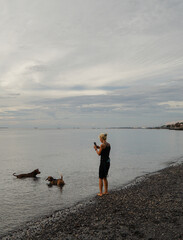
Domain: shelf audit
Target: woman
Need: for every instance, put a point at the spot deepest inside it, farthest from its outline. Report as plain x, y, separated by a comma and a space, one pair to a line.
103, 151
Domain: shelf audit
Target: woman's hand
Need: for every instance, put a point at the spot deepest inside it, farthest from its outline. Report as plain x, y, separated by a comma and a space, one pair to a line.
102, 146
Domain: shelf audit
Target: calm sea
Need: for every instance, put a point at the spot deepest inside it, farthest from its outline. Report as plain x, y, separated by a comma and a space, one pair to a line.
70, 152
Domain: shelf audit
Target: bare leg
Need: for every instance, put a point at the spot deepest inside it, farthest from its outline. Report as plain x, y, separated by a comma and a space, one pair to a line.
105, 186
100, 186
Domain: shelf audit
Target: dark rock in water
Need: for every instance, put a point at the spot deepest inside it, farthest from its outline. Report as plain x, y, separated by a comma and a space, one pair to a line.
151, 209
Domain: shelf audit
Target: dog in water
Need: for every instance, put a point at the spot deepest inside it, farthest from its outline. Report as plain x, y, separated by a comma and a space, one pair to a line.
25, 175
52, 181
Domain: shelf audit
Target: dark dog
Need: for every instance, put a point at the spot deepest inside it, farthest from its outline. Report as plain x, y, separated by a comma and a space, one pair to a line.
25, 175
52, 181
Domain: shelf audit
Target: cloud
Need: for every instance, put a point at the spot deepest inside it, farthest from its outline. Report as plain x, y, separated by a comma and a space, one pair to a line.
173, 104
62, 59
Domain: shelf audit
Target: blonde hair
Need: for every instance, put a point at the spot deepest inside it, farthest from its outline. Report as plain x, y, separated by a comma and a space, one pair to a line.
103, 136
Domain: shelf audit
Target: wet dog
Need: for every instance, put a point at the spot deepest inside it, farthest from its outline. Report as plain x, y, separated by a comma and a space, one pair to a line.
25, 175
52, 181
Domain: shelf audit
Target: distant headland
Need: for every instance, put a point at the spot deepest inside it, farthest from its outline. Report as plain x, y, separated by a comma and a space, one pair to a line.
172, 126
175, 126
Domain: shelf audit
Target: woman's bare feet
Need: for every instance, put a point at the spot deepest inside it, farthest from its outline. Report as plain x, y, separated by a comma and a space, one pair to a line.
105, 193
99, 194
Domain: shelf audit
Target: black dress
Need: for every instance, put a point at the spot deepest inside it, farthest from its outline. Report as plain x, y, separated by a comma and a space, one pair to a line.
104, 162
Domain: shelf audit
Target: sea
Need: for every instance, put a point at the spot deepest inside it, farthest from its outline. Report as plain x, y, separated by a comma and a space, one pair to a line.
70, 152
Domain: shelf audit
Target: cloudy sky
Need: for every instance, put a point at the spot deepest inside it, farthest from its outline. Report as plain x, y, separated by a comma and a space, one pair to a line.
90, 63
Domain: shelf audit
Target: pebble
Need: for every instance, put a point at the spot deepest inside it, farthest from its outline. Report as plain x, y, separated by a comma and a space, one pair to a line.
149, 209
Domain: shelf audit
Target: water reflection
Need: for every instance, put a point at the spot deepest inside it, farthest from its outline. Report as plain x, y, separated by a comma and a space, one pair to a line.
134, 153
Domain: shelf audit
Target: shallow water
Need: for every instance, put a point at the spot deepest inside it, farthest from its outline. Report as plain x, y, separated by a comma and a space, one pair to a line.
70, 152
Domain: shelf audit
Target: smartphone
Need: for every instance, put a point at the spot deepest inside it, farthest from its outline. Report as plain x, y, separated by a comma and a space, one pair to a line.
95, 144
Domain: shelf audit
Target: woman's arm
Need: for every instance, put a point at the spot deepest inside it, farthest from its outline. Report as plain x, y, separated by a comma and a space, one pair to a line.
100, 149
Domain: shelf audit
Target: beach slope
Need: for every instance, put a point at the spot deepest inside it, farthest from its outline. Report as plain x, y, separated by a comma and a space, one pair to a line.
150, 209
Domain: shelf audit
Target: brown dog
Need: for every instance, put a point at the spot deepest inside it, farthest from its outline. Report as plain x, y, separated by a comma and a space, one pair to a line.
31, 174
52, 181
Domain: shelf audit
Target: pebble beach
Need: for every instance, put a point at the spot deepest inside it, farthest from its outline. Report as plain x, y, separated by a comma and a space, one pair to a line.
149, 208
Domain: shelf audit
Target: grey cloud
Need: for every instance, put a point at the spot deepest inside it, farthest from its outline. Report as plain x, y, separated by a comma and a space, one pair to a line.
131, 98
129, 51
37, 68
10, 95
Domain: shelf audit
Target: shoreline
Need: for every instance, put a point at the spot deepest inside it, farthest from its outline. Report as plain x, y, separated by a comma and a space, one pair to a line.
149, 208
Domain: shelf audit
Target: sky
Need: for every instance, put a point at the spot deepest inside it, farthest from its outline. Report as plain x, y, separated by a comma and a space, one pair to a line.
83, 63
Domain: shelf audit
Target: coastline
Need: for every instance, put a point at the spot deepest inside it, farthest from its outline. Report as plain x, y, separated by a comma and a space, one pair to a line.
151, 208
